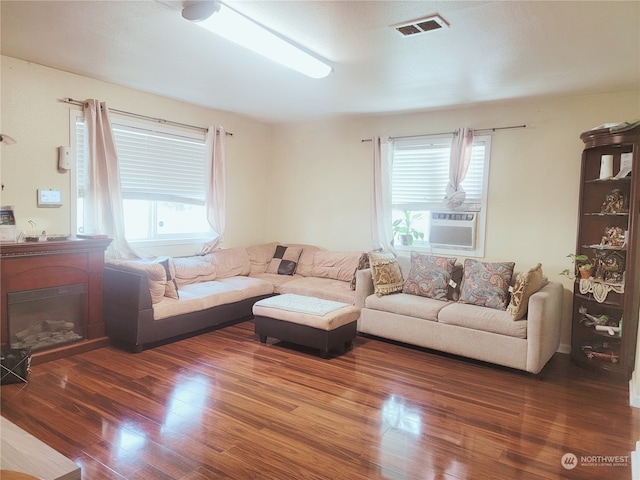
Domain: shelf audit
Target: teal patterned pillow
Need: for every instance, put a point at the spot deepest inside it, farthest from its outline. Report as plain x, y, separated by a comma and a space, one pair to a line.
486, 284
429, 276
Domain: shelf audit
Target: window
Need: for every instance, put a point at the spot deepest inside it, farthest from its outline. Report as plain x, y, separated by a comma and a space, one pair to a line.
163, 180
420, 175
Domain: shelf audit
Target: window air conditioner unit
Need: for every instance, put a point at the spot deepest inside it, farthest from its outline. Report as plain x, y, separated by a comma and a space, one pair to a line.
453, 230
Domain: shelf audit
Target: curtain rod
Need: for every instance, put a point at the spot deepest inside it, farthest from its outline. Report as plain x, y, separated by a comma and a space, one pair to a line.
144, 117
450, 133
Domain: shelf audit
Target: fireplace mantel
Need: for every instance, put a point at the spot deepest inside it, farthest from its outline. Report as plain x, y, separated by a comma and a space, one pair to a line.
37, 265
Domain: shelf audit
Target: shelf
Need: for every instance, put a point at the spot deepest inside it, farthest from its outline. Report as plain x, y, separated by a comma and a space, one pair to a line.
606, 303
604, 247
626, 179
598, 214
606, 335
608, 207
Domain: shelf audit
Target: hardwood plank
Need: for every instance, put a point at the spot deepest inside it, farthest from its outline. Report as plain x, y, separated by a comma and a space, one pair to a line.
222, 405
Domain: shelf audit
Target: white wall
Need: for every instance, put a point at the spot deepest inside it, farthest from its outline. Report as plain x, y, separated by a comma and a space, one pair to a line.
33, 115
320, 179
634, 385
310, 182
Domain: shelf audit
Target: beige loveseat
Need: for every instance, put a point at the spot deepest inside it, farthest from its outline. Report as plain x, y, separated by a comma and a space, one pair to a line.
477, 332
147, 302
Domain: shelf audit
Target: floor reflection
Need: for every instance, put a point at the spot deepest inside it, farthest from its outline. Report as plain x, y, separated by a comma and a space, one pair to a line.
405, 450
397, 414
129, 440
187, 403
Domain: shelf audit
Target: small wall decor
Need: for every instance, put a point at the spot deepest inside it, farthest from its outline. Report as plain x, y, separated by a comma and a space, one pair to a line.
615, 202
610, 265
613, 237
606, 167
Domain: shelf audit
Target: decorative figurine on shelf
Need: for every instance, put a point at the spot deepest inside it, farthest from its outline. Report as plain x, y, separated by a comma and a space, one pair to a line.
615, 202
613, 237
610, 266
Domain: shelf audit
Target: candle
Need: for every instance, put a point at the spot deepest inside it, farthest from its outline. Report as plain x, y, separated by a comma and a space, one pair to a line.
606, 167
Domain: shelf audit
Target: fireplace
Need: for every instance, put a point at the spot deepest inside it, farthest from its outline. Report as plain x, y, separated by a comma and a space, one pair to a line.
45, 317
52, 297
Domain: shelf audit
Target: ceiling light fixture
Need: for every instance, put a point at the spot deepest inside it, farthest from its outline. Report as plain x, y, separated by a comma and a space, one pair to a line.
234, 26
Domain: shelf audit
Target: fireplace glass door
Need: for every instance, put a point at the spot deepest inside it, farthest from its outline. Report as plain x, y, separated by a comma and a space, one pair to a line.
46, 317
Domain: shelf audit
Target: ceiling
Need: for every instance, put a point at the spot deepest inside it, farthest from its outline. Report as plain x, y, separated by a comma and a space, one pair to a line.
493, 50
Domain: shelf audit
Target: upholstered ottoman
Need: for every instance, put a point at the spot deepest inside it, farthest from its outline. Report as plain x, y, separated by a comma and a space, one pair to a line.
308, 321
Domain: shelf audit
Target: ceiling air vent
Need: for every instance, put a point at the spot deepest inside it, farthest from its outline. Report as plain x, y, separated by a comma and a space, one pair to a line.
422, 25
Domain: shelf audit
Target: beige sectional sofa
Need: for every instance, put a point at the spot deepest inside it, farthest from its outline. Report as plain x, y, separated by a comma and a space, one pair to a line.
147, 302
487, 334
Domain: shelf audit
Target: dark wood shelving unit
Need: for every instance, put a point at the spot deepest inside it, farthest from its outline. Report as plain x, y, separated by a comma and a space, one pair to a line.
606, 295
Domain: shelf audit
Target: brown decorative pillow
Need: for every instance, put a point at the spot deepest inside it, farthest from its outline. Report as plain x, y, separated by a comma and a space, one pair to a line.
429, 276
486, 284
387, 277
527, 283
454, 288
363, 264
285, 260
171, 287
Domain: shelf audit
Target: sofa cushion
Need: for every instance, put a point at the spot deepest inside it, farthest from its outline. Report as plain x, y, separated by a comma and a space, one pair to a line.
406, 304
170, 307
193, 269
214, 293
230, 262
195, 297
308, 255
336, 265
327, 288
260, 256
429, 276
486, 284
153, 270
249, 287
527, 283
387, 277
276, 280
285, 260
479, 318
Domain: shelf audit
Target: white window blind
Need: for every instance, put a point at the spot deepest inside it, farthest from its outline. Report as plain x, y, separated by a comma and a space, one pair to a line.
154, 165
421, 173
82, 155
160, 167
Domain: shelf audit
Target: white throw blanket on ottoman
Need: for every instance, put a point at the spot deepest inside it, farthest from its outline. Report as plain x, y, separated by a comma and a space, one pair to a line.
308, 321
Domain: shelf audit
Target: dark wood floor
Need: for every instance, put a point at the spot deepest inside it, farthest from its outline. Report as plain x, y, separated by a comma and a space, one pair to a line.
222, 405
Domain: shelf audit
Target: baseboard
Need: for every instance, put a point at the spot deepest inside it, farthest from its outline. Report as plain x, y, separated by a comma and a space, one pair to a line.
564, 348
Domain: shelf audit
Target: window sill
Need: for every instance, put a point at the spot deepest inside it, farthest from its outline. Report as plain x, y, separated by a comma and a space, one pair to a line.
463, 252
169, 242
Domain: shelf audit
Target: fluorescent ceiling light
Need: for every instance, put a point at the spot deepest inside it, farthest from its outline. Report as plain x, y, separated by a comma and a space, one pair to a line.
236, 27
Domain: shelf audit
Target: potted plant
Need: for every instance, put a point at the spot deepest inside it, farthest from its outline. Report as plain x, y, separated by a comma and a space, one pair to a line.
582, 265
404, 229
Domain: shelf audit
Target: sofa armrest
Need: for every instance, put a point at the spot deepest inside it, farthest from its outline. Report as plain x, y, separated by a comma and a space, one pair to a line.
126, 304
364, 286
544, 322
